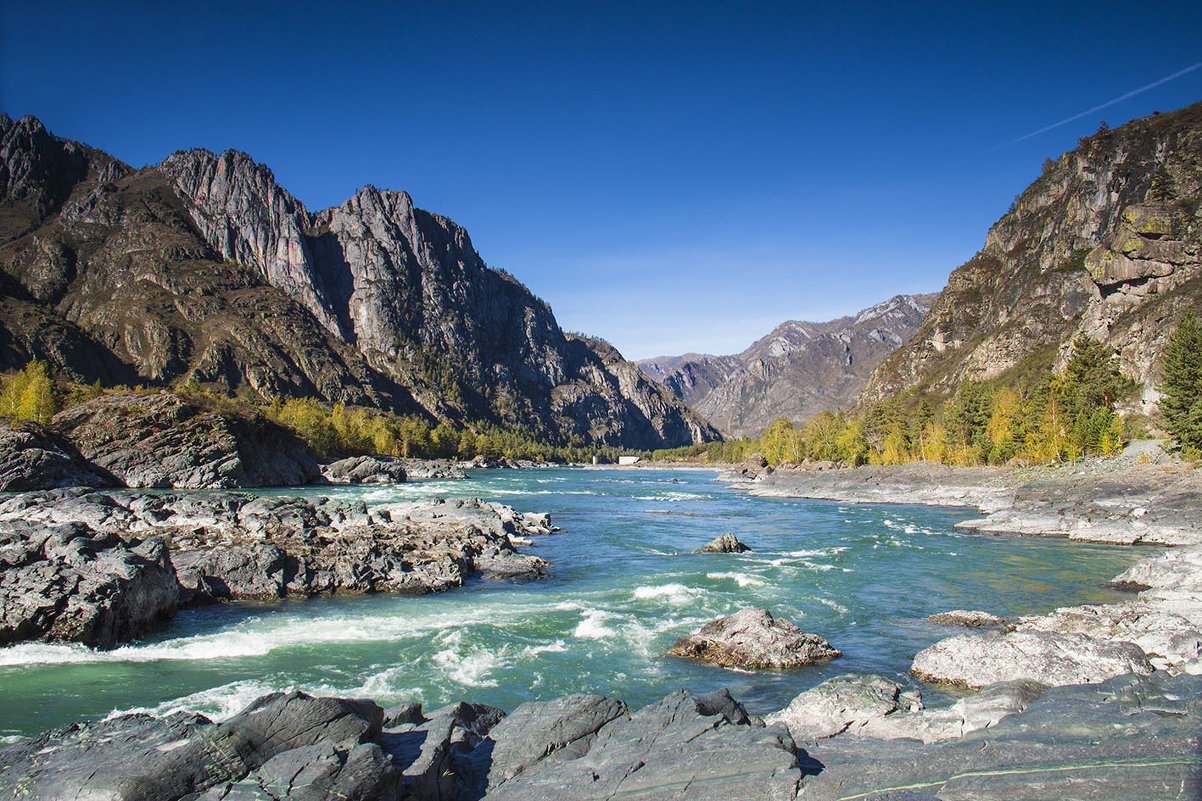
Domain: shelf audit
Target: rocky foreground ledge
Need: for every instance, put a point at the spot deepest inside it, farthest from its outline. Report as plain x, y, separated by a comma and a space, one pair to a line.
1064, 745
103, 567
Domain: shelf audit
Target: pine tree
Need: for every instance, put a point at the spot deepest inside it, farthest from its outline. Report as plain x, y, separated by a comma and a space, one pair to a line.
1181, 387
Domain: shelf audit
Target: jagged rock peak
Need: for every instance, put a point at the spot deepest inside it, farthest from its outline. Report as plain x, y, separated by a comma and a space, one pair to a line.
248, 218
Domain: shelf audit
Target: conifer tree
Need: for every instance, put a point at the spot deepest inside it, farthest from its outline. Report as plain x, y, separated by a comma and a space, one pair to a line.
1181, 387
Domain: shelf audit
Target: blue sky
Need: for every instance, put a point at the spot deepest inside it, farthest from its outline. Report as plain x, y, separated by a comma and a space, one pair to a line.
671, 176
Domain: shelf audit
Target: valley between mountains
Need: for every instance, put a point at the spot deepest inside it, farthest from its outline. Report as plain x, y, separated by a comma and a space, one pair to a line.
280, 519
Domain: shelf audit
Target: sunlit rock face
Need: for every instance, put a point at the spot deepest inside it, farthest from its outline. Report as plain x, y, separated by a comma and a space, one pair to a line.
204, 268
1106, 243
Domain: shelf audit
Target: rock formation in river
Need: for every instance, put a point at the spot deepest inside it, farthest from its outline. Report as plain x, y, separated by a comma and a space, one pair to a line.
1106, 243
100, 568
796, 371
752, 639
203, 268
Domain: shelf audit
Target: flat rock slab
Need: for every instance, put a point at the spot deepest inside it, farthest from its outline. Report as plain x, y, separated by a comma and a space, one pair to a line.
1129, 737
873, 706
752, 639
974, 661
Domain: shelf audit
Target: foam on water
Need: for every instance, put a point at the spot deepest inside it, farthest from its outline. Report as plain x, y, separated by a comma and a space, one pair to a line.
215, 703
673, 593
742, 579
469, 666
593, 627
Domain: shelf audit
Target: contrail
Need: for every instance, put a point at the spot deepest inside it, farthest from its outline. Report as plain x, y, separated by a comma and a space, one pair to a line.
1107, 104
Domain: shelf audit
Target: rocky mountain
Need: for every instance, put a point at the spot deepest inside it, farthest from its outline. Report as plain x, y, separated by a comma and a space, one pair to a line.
1107, 242
204, 269
796, 371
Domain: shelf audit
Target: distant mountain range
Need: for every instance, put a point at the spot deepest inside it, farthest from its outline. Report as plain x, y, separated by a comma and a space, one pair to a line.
204, 269
1107, 242
796, 371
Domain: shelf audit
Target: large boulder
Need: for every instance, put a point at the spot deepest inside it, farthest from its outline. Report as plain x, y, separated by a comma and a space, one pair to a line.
280, 741
973, 660
33, 459
70, 583
365, 470
162, 440
752, 639
873, 706
699, 747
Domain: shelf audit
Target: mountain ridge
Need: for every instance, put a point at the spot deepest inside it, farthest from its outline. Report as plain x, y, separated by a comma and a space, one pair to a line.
203, 268
798, 369
1106, 243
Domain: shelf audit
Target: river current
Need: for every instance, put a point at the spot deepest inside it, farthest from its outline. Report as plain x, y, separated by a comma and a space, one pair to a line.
623, 587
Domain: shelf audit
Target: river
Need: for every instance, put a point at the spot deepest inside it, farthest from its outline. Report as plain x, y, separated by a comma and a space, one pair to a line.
623, 587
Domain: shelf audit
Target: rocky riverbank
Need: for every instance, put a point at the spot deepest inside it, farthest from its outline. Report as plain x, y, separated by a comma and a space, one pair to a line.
1142, 496
102, 567
1063, 744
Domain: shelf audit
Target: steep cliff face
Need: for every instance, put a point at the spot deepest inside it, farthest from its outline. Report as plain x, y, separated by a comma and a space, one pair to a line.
204, 268
1105, 243
796, 371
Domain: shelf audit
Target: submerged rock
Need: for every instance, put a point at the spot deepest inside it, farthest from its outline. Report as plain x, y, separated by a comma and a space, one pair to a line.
967, 618
752, 639
727, 543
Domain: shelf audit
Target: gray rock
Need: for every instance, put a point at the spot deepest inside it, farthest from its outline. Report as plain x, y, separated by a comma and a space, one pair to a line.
365, 470
161, 440
68, 582
564, 727
32, 459
704, 748
139, 758
973, 660
1129, 737
726, 543
70, 575
844, 704
752, 639
873, 706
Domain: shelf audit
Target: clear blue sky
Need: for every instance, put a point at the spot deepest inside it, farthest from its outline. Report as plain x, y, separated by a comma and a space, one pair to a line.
671, 176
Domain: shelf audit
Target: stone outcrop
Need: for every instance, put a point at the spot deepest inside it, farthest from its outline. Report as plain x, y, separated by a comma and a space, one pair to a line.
875, 707
1106, 243
725, 543
162, 440
365, 470
70, 583
227, 546
796, 371
204, 269
99, 568
33, 459
1131, 736
1134, 733
976, 661
293, 746
752, 639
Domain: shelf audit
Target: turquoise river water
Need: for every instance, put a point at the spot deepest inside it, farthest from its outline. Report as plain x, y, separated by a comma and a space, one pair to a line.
623, 587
